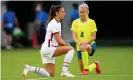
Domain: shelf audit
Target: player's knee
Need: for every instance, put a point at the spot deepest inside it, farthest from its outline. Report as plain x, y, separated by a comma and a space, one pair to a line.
89, 48
52, 75
69, 48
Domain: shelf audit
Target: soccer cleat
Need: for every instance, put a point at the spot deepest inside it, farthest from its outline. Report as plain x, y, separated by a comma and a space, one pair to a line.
67, 74
98, 70
84, 72
25, 72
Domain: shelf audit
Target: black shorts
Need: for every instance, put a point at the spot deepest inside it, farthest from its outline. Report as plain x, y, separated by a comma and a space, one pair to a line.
8, 31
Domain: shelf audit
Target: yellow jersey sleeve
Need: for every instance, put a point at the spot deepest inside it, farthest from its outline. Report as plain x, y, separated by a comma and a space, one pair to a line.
94, 28
74, 26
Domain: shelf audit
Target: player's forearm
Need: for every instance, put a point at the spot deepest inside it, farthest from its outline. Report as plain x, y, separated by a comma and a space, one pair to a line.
59, 39
62, 43
74, 36
76, 41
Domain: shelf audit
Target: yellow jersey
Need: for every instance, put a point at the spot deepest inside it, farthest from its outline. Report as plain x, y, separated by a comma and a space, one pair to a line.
83, 30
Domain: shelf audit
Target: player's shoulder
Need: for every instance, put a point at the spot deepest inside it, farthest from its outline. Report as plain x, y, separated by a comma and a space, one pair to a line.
53, 23
91, 20
76, 20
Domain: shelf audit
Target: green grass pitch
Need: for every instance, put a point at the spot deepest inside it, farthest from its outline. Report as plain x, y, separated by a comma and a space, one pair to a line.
116, 64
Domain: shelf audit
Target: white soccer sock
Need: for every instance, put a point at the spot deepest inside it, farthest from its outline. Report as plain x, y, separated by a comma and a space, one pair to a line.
68, 58
65, 67
32, 69
42, 72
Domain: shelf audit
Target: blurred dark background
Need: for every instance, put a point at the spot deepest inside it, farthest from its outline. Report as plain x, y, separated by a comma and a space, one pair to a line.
25, 10
113, 18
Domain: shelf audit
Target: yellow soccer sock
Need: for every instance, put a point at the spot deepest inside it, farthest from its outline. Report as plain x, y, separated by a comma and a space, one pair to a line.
92, 67
85, 59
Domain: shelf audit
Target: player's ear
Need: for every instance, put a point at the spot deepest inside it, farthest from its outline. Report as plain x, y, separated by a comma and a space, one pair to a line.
57, 13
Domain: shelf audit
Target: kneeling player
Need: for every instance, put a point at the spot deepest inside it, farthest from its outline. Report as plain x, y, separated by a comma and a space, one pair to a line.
53, 46
84, 35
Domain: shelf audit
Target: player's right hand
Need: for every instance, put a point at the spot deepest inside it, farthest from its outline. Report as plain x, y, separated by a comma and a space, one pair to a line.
83, 47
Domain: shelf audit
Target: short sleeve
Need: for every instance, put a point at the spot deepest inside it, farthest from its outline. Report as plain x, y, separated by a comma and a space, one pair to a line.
74, 26
55, 29
94, 28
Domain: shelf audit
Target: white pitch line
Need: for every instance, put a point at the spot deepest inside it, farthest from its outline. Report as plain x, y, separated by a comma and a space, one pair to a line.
37, 79
79, 76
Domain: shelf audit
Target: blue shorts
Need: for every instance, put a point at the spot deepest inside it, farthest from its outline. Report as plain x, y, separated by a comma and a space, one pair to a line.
93, 50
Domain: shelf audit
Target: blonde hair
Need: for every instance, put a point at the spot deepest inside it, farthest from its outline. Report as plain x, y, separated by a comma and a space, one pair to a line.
85, 6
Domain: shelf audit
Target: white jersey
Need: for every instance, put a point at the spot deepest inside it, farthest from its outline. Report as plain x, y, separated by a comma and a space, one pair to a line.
52, 28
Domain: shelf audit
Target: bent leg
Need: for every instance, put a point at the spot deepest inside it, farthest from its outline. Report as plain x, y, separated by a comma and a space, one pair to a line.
50, 68
62, 50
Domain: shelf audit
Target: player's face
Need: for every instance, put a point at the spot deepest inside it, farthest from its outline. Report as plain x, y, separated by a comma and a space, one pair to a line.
61, 13
83, 13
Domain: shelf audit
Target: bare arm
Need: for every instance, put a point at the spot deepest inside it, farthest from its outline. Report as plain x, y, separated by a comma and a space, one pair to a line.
59, 39
74, 35
93, 37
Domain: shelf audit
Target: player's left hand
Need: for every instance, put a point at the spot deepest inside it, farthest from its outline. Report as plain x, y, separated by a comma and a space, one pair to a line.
83, 46
83, 43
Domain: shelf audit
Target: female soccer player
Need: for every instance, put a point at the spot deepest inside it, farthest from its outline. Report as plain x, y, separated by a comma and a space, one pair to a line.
84, 33
53, 46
